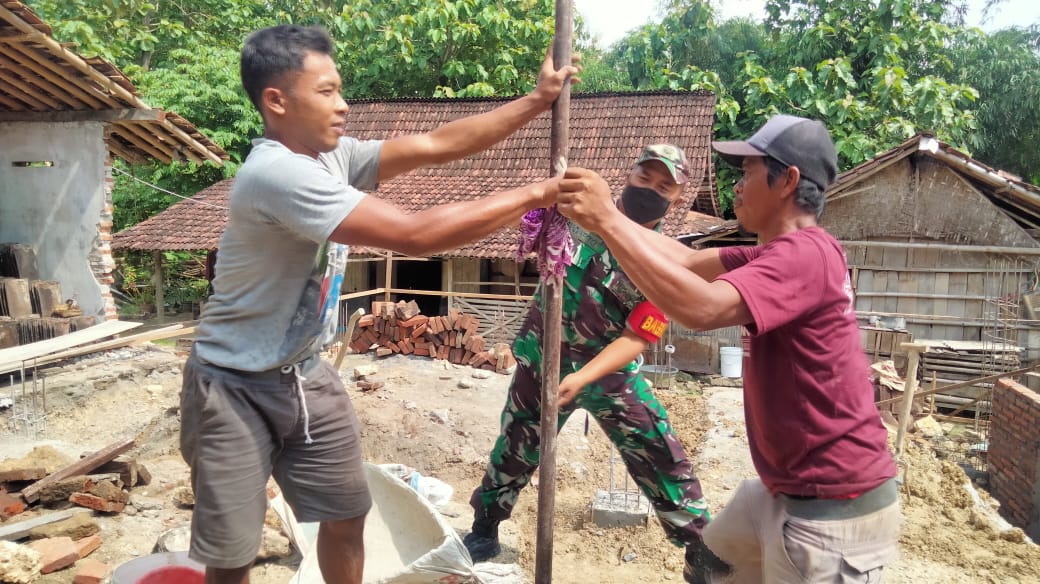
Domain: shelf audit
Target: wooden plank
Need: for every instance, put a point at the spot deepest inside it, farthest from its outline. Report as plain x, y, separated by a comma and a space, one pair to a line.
498, 319
976, 286
50, 75
864, 283
12, 359
174, 330
460, 294
969, 383
82, 466
21, 529
909, 386
941, 285
881, 285
958, 286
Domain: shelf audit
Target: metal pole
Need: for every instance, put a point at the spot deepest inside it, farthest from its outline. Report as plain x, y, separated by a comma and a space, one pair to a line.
552, 314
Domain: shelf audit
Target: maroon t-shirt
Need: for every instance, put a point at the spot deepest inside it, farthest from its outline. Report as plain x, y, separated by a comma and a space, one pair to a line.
808, 400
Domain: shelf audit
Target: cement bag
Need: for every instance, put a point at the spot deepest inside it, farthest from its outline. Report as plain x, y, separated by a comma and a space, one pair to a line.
433, 490
406, 540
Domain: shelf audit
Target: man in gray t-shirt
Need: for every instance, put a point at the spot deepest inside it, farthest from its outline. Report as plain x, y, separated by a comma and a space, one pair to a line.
256, 400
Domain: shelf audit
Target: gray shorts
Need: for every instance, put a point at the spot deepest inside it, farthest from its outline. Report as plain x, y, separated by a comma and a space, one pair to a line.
240, 428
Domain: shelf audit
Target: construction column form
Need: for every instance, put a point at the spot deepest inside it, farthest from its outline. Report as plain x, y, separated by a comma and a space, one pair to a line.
1014, 454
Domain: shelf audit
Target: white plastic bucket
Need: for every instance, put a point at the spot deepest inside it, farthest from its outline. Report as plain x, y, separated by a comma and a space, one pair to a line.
731, 360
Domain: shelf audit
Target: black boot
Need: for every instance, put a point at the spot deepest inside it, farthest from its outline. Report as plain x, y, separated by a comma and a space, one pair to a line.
482, 541
702, 565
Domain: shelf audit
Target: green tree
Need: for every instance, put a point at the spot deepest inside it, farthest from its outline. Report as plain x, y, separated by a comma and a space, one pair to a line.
876, 71
445, 49
1005, 68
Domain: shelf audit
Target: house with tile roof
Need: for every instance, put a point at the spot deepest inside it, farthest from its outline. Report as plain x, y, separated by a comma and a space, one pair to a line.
63, 118
608, 131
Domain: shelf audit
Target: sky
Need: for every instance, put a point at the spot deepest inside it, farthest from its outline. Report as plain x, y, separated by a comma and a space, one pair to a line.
610, 19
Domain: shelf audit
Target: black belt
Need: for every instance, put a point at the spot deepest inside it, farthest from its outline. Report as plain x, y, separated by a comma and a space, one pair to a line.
816, 508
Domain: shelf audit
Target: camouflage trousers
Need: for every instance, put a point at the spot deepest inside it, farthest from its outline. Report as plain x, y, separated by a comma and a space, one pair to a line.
635, 422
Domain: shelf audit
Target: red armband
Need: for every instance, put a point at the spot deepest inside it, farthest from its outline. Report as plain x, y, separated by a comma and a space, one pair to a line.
647, 322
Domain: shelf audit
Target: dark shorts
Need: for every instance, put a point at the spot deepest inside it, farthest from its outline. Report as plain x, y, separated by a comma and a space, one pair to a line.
239, 428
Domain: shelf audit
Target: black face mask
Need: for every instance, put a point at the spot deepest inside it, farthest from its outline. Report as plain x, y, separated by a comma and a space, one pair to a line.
643, 205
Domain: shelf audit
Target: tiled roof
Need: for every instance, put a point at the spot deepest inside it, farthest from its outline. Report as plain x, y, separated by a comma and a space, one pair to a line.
192, 224
42, 80
607, 133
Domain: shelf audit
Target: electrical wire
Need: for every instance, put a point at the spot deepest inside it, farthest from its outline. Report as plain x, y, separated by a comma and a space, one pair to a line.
171, 193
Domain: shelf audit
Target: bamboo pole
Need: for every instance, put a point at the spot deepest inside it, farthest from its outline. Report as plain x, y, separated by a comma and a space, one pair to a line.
1015, 251
553, 316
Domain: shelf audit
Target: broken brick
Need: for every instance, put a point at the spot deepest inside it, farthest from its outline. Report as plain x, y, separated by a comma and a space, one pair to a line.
369, 385
405, 311
109, 491
10, 505
126, 468
419, 330
88, 545
415, 321
56, 553
22, 474
59, 491
144, 478
91, 571
96, 503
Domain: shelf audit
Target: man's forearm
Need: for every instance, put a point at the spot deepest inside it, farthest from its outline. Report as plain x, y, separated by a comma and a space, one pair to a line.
613, 357
449, 226
473, 134
647, 260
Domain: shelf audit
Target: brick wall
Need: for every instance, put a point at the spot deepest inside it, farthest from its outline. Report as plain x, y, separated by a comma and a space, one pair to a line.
1014, 450
101, 261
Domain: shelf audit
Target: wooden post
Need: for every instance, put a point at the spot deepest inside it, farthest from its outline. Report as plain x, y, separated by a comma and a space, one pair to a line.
389, 275
909, 387
552, 317
157, 277
449, 280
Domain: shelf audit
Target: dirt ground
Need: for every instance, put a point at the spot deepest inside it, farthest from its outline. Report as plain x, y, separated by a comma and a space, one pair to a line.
426, 419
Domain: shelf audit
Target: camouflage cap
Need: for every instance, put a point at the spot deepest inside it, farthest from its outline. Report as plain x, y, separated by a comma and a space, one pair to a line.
672, 156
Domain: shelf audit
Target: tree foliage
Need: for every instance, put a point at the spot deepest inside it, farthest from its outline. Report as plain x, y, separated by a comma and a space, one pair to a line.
446, 49
1005, 68
875, 71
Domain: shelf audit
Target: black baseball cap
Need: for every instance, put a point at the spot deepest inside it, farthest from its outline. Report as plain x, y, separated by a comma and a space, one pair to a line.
793, 141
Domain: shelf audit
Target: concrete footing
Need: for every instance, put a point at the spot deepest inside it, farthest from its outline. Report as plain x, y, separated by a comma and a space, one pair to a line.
619, 509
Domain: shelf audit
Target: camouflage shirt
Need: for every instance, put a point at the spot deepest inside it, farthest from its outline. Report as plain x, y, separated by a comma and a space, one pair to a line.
597, 299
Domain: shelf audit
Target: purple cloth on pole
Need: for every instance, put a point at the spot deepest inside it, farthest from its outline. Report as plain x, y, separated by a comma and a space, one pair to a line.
545, 232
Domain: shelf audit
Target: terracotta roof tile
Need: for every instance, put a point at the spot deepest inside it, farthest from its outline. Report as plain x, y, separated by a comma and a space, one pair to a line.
191, 224
608, 131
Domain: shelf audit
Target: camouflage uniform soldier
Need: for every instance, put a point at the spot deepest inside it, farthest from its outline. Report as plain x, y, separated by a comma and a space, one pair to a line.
607, 323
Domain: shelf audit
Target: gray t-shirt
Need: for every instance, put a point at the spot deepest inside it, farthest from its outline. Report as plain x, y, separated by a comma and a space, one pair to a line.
277, 275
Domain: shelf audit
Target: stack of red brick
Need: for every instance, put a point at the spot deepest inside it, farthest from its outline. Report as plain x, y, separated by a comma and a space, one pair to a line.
401, 329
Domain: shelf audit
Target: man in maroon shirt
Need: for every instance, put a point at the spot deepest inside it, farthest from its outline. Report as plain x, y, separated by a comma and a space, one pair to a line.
824, 508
